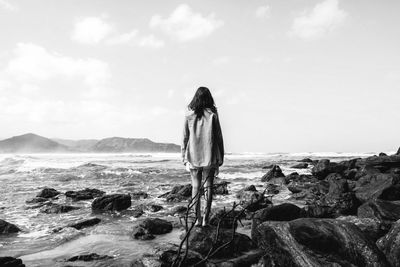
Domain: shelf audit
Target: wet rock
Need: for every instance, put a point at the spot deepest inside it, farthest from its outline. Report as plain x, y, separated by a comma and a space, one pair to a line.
90, 257
252, 200
85, 223
272, 174
221, 188
315, 242
57, 208
37, 200
155, 208
390, 245
325, 167
178, 210
226, 218
398, 152
384, 211
113, 202
372, 228
339, 200
383, 163
300, 166
384, 186
11, 262
178, 193
282, 212
139, 195
150, 227
8, 228
201, 240
48, 193
382, 154
87, 193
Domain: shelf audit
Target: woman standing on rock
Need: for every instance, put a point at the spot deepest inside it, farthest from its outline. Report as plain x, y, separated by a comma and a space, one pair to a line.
202, 148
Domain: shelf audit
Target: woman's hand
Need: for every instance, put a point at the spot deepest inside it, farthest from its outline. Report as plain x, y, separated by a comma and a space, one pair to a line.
187, 166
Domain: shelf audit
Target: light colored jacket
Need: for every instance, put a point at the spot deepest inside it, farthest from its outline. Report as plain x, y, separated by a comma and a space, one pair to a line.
202, 144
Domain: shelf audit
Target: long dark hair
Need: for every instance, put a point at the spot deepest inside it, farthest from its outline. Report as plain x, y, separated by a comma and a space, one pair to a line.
202, 99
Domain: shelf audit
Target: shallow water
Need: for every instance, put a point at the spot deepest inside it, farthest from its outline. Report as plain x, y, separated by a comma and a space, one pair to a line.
23, 176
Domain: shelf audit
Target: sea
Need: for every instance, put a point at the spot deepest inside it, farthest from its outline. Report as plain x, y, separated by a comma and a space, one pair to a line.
23, 176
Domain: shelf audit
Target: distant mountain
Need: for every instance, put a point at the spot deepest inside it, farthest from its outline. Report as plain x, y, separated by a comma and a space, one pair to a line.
84, 145
119, 144
31, 143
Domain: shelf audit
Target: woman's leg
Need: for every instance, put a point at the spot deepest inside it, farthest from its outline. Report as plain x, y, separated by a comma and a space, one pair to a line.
196, 193
209, 175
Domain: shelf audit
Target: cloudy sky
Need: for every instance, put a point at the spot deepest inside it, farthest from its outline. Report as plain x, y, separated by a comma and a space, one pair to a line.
287, 76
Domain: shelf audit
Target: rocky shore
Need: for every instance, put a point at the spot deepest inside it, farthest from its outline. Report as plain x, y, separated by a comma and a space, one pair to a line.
349, 216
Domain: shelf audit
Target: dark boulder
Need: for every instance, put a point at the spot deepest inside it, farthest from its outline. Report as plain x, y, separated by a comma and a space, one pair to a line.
339, 200
57, 208
384, 186
87, 193
372, 228
300, 166
226, 218
90, 257
315, 242
273, 174
139, 195
383, 163
221, 188
384, 211
382, 154
398, 152
202, 239
178, 193
282, 212
48, 193
85, 223
8, 228
150, 227
114, 202
390, 245
325, 167
252, 200
11, 262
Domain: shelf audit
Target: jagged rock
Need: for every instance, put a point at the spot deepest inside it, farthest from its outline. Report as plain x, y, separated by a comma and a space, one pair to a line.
150, 227
85, 223
37, 200
398, 152
390, 245
315, 242
11, 262
90, 257
282, 212
384, 211
221, 188
8, 228
87, 193
339, 200
57, 208
300, 166
382, 154
378, 185
275, 172
272, 189
382, 163
371, 227
178, 193
325, 167
201, 240
252, 200
114, 202
139, 195
48, 193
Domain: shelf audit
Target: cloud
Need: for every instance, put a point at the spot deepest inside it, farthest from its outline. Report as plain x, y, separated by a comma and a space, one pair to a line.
33, 63
122, 38
323, 18
4, 4
91, 30
263, 12
185, 25
151, 41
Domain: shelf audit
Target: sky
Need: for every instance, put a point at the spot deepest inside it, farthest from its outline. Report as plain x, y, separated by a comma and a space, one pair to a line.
286, 75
